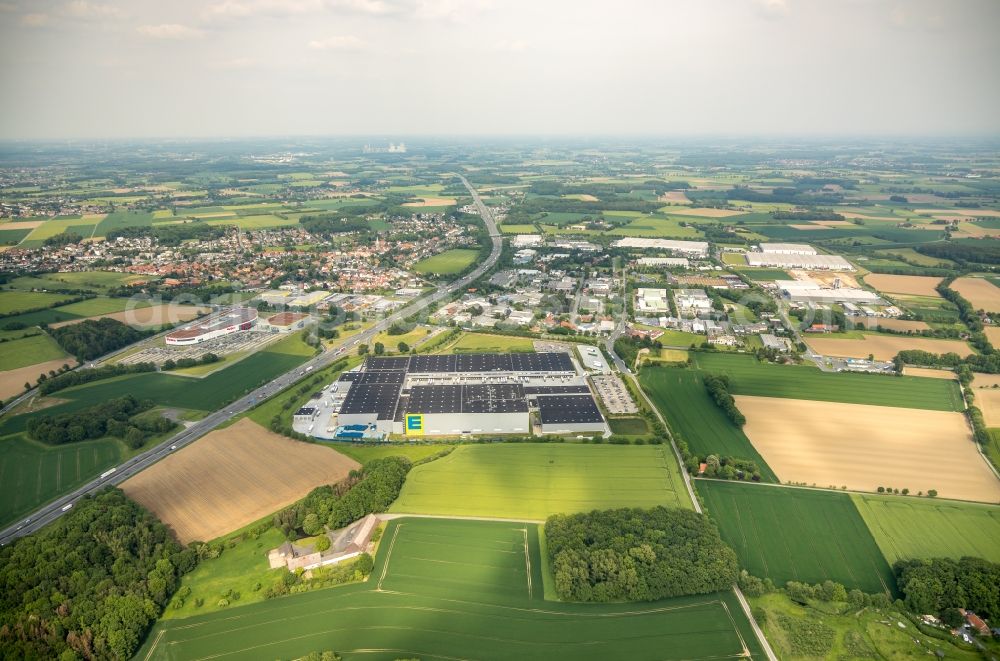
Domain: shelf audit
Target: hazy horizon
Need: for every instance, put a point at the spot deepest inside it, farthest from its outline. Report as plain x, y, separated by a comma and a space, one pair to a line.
271, 69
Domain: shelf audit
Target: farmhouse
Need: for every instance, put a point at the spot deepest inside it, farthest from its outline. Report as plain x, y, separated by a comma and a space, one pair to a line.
347, 543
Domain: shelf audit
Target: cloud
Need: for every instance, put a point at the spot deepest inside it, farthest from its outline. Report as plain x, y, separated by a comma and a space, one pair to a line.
376, 7
505, 46
84, 9
236, 63
772, 8
345, 42
233, 9
173, 31
34, 20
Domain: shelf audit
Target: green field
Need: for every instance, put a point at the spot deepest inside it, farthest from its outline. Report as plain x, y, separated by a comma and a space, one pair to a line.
797, 534
765, 274
906, 528
32, 473
92, 280
457, 590
681, 397
79, 310
122, 219
518, 229
365, 453
752, 377
532, 481
29, 351
633, 426
485, 343
447, 262
13, 302
12, 237
657, 227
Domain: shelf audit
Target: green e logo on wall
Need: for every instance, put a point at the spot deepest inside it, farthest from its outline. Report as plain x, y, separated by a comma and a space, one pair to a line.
414, 424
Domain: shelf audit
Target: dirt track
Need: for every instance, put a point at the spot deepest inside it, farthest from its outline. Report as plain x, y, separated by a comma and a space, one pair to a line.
863, 447
231, 478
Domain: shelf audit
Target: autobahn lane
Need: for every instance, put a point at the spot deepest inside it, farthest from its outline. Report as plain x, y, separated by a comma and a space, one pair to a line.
140, 462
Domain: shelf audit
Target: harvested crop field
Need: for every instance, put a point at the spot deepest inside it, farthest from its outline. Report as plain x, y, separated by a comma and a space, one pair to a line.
863, 447
676, 196
233, 477
430, 202
982, 293
917, 285
22, 225
884, 347
992, 334
981, 380
988, 401
12, 381
157, 315
930, 373
707, 212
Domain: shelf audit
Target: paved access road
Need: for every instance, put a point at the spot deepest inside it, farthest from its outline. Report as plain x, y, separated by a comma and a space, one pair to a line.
140, 462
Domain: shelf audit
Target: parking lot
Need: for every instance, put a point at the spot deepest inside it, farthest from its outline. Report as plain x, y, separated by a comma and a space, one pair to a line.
248, 341
614, 394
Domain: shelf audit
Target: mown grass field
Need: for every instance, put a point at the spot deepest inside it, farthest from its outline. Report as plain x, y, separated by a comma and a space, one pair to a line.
79, 310
457, 590
534, 480
13, 302
365, 453
484, 343
681, 397
752, 377
797, 534
93, 280
447, 262
906, 528
29, 350
32, 473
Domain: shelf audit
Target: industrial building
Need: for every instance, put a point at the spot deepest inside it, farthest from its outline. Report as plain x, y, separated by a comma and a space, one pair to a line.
651, 301
691, 248
808, 291
787, 249
663, 261
692, 301
451, 395
285, 322
799, 261
235, 320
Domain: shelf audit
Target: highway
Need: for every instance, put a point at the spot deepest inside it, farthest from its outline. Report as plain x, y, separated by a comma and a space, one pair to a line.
122, 472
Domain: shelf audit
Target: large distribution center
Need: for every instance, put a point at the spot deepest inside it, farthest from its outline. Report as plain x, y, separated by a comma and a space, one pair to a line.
462, 394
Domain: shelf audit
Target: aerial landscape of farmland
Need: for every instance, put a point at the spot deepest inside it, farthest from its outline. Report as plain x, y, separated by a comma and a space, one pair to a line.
402, 330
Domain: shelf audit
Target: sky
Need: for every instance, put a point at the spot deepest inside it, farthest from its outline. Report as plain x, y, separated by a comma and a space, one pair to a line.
80, 69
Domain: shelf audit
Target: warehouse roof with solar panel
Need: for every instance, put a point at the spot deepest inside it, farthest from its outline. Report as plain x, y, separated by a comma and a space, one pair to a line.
457, 395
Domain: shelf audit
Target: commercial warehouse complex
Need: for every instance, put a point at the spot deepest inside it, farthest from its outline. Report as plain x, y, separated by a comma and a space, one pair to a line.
235, 320
462, 394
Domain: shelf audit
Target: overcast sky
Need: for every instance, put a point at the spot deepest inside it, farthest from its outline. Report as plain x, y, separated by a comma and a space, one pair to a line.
183, 68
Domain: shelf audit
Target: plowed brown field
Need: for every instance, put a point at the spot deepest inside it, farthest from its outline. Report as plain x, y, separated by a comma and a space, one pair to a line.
231, 478
917, 285
863, 447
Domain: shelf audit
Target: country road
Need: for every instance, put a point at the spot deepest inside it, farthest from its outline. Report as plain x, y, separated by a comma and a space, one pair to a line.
140, 462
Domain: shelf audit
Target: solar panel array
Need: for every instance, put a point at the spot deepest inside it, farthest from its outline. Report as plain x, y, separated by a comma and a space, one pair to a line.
557, 390
390, 363
377, 398
482, 362
487, 398
558, 409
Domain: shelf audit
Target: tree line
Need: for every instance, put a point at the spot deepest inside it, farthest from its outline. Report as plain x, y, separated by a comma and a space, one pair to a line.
717, 386
89, 585
369, 489
78, 377
115, 417
632, 554
92, 338
942, 584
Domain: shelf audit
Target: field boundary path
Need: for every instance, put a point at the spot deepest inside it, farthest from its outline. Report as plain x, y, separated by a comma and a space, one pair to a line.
610, 344
114, 476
